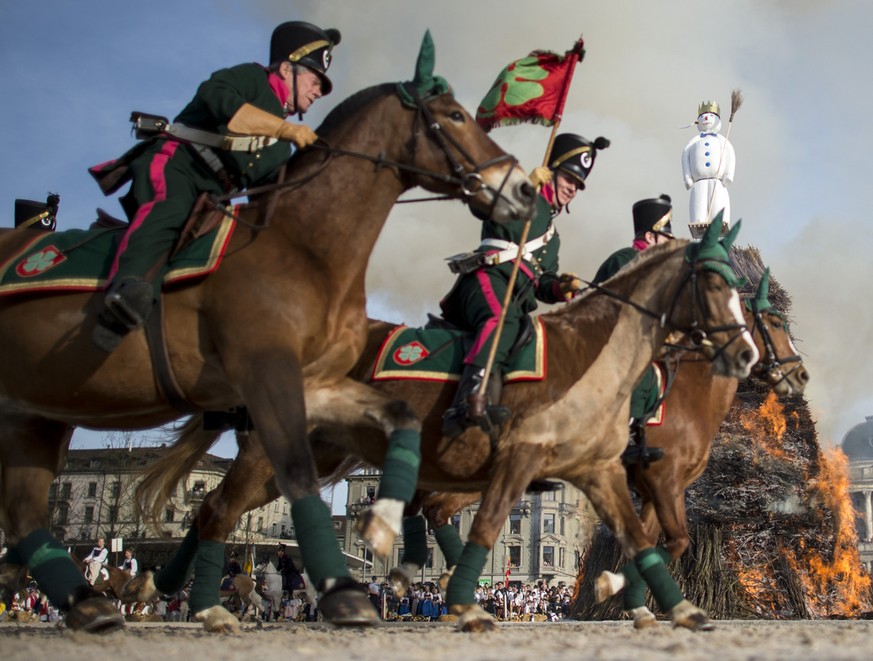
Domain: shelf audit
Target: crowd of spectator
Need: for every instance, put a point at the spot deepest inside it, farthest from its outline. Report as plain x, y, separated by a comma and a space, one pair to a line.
517, 602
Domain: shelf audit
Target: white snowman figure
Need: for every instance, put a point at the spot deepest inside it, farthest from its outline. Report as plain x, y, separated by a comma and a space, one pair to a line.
708, 164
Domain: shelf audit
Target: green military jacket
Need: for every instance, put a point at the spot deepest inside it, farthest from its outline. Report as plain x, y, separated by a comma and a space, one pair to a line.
541, 270
218, 99
614, 263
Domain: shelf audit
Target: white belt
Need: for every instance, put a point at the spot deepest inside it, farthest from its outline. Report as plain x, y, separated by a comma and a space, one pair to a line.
246, 143
509, 250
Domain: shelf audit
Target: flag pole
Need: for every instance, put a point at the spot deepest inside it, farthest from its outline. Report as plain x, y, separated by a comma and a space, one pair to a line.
479, 400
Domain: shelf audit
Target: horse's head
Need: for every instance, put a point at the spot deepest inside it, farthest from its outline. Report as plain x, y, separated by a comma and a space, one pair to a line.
430, 140
707, 307
490, 180
780, 365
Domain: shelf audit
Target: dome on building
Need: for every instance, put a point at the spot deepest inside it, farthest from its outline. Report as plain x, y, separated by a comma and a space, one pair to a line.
858, 442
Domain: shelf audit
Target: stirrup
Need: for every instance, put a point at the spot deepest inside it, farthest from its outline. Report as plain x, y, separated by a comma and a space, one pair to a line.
641, 454
130, 302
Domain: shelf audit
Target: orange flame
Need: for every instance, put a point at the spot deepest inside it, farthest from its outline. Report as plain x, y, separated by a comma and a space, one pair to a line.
837, 587
766, 426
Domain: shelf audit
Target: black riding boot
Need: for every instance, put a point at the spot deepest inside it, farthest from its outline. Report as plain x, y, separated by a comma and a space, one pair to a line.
128, 304
461, 415
638, 451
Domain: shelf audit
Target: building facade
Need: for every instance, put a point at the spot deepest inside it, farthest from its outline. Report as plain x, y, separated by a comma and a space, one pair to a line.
94, 495
857, 445
541, 540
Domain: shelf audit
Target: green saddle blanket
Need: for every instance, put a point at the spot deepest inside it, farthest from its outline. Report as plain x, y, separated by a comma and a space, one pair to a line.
79, 260
437, 354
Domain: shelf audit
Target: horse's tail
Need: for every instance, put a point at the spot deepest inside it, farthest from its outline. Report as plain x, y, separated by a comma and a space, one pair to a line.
160, 479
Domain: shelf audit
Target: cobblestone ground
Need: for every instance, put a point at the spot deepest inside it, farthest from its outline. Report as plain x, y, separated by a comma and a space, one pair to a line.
731, 641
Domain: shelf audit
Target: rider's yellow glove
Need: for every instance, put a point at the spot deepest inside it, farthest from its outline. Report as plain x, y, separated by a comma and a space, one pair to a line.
540, 175
569, 284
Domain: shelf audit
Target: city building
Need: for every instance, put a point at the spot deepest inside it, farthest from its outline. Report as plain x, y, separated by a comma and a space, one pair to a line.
857, 445
541, 540
94, 495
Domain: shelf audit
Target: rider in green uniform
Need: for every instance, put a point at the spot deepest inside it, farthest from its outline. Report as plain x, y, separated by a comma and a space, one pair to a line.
475, 301
651, 227
169, 172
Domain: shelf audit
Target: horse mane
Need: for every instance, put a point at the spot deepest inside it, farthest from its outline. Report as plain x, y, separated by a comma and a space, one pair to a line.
352, 105
595, 302
341, 113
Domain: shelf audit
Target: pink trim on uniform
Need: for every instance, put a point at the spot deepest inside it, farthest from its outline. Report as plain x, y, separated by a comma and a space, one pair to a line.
158, 179
639, 245
548, 192
280, 89
488, 327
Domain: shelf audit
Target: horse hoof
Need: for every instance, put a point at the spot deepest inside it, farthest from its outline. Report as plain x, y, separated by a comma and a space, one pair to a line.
141, 588
400, 578
376, 532
443, 580
688, 616
94, 615
217, 619
606, 585
645, 621
345, 605
473, 619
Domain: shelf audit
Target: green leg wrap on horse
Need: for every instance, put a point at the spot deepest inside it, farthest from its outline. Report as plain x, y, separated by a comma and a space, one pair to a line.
208, 568
414, 541
322, 557
400, 468
173, 577
634, 593
462, 584
450, 543
50, 565
650, 563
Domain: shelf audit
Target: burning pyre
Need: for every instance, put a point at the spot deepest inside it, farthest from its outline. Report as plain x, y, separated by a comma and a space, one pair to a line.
771, 520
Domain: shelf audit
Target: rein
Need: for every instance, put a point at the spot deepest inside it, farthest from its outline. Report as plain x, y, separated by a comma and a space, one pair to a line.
772, 364
470, 182
698, 335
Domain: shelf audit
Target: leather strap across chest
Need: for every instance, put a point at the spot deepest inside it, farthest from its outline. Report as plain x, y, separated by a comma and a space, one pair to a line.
507, 250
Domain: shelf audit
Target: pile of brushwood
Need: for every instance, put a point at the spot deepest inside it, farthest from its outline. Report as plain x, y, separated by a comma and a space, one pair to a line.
771, 536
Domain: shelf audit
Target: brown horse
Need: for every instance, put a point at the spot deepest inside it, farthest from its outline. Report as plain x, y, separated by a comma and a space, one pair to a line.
243, 597
284, 315
111, 585
598, 345
696, 404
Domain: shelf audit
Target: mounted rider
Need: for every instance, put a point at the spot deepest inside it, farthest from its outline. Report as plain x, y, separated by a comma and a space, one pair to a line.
232, 135
475, 301
95, 561
652, 226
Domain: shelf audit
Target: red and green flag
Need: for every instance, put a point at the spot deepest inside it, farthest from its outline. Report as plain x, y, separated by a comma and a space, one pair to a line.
532, 89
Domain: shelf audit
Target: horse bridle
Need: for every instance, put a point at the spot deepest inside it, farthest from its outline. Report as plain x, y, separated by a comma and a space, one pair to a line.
470, 183
771, 365
698, 335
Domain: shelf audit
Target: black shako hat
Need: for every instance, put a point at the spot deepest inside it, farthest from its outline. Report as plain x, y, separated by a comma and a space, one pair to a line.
38, 215
303, 43
653, 215
575, 155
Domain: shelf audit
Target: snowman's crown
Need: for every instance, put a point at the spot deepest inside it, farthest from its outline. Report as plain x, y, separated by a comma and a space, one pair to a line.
708, 106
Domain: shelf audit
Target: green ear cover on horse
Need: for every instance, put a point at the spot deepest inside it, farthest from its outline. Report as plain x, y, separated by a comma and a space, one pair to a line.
729, 238
712, 254
424, 82
762, 302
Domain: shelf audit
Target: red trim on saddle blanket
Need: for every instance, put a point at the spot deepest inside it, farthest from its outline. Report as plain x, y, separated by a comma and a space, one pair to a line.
394, 362
27, 265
